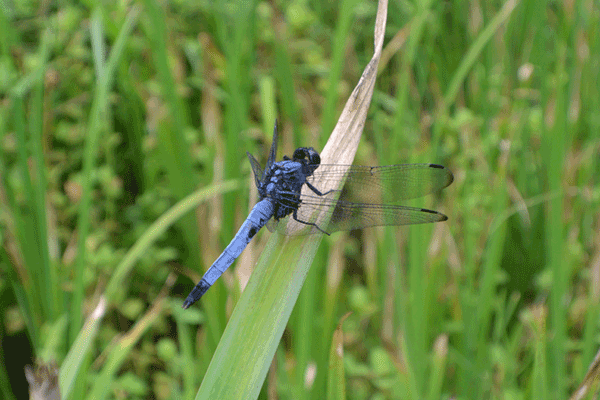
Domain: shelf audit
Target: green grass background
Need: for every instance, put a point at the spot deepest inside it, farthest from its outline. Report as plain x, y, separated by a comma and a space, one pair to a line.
123, 175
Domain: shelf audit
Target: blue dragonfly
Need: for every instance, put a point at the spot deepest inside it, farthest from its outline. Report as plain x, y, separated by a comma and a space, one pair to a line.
292, 203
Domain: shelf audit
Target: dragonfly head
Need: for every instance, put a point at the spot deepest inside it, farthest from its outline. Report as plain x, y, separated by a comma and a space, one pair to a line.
308, 157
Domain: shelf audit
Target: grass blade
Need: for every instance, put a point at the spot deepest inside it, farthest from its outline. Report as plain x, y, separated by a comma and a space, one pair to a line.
336, 379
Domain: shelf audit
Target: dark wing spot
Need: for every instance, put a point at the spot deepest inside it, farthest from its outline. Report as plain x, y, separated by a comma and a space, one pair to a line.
437, 166
442, 216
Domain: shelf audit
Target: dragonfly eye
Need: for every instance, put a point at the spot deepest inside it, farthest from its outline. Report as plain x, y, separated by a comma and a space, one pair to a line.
313, 157
299, 153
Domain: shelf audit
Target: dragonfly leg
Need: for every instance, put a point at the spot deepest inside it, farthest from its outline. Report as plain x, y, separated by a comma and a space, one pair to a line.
317, 191
295, 215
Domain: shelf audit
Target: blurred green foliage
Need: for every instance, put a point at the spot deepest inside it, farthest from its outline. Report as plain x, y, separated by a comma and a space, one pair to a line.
111, 113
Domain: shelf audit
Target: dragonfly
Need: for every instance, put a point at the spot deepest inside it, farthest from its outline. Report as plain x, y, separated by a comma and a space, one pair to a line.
299, 195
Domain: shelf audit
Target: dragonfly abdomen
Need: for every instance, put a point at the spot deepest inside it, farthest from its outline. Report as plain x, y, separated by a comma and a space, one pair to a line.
258, 217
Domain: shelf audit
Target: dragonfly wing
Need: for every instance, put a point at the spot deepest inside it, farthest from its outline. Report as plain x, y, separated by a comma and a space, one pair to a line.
273, 151
257, 169
348, 216
259, 173
364, 200
386, 184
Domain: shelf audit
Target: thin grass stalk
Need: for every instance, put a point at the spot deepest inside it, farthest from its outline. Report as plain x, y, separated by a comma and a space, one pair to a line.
331, 299
416, 324
186, 342
345, 16
304, 339
7, 35
486, 293
540, 387
27, 224
17, 275
20, 294
407, 62
554, 156
468, 300
78, 356
285, 84
336, 379
589, 333
439, 358
54, 298
267, 92
410, 386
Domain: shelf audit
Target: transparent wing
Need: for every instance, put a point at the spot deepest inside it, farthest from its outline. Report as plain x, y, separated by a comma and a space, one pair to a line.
256, 168
347, 216
259, 173
386, 184
273, 151
364, 200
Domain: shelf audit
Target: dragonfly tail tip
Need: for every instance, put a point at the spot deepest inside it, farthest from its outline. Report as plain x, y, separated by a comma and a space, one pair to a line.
187, 303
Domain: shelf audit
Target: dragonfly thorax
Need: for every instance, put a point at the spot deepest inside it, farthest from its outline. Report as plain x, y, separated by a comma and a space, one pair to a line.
284, 179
